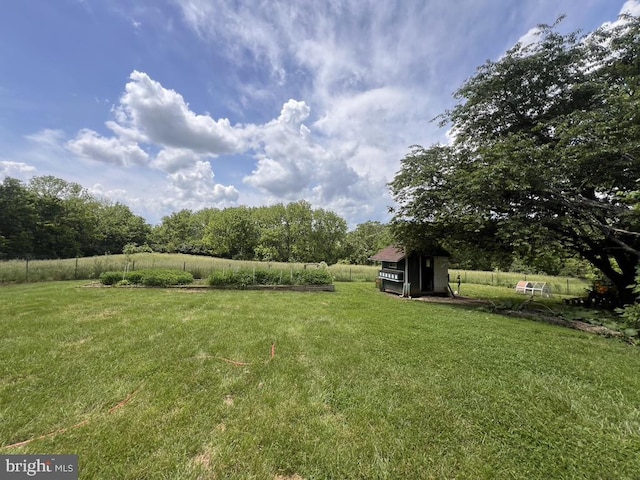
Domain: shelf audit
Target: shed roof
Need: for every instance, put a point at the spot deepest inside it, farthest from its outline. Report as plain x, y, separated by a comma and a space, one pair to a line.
389, 254
395, 254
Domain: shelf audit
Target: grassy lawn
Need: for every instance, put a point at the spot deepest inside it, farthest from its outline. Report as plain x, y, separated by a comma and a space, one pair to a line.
161, 383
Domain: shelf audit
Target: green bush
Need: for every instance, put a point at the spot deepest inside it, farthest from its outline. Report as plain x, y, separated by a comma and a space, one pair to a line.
318, 276
110, 278
149, 278
135, 277
165, 278
227, 277
268, 277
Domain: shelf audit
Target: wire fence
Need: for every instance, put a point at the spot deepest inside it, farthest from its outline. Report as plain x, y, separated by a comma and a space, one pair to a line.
87, 268
558, 285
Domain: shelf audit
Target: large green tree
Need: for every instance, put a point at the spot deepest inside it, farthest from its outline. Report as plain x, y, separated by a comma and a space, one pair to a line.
545, 152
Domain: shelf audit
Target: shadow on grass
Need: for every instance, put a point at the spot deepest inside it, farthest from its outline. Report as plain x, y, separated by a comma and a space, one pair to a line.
538, 309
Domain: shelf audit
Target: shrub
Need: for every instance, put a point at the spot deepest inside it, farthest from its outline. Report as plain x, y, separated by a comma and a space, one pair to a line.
110, 278
149, 278
135, 277
131, 248
268, 277
319, 276
631, 313
228, 277
165, 278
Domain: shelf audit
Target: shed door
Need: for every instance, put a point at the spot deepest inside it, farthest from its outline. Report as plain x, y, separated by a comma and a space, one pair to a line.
426, 274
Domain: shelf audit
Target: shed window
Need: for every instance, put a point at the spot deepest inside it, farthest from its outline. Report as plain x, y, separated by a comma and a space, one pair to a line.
393, 265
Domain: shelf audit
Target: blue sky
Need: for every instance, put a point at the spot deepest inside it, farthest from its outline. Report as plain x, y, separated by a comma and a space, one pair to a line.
172, 104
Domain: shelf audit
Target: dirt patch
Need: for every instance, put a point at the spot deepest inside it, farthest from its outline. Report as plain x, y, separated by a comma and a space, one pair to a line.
295, 476
574, 324
457, 300
204, 460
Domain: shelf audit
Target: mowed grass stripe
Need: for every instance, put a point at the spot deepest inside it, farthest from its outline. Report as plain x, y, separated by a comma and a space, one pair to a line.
362, 385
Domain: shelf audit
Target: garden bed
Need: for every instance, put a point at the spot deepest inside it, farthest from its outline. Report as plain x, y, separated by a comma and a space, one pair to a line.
286, 288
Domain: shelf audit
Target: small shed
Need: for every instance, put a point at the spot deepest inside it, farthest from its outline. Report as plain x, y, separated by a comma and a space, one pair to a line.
414, 274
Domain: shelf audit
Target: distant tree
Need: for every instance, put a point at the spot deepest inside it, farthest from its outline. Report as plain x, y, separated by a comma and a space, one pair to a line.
179, 232
118, 226
232, 233
366, 240
67, 218
299, 231
18, 217
328, 236
546, 151
274, 242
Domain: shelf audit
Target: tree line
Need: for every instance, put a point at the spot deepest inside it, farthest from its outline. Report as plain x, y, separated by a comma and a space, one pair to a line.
49, 217
293, 232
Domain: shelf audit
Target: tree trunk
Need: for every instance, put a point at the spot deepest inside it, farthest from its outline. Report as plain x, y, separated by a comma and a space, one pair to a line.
622, 277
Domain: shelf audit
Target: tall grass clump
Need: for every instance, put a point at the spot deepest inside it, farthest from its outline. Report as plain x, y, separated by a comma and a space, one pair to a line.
354, 273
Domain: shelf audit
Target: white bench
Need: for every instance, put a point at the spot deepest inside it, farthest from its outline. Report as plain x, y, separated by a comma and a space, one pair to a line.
531, 288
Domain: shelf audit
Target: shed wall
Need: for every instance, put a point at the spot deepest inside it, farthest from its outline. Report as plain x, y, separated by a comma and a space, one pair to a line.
441, 274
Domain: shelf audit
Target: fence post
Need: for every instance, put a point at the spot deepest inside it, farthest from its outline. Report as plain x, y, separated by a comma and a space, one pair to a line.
567, 286
75, 273
26, 275
350, 275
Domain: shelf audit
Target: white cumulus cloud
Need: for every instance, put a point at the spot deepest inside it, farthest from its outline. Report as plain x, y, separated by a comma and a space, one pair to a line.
91, 145
292, 163
15, 169
160, 115
172, 160
194, 188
